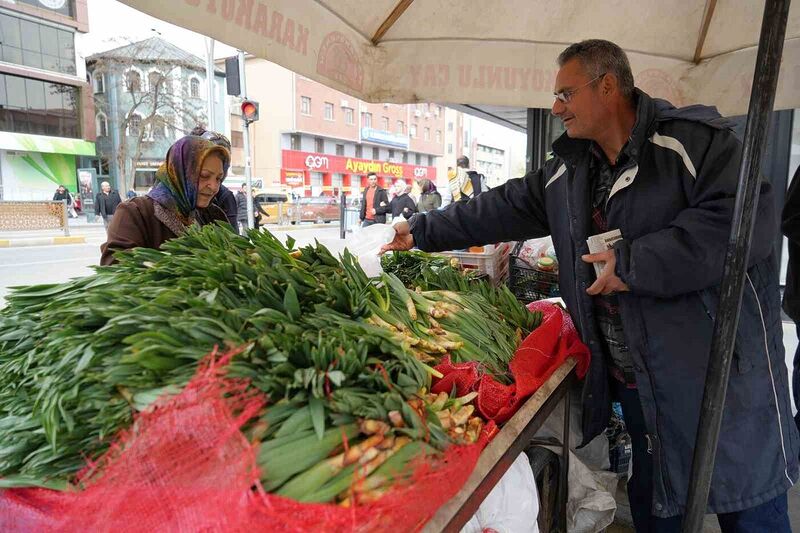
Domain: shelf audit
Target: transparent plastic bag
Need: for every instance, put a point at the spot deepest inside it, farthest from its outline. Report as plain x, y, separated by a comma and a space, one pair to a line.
365, 244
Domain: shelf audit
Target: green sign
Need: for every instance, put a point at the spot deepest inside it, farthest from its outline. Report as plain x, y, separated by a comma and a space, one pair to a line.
25, 142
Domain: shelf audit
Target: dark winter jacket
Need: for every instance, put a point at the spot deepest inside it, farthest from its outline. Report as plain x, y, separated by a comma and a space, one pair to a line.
673, 203
380, 211
226, 201
58, 196
136, 225
241, 206
402, 204
106, 204
429, 201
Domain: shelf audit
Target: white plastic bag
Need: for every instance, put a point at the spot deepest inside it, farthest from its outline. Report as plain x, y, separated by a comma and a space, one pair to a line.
365, 245
513, 504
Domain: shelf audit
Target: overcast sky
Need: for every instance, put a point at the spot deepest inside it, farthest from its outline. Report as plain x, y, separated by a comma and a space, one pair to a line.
112, 24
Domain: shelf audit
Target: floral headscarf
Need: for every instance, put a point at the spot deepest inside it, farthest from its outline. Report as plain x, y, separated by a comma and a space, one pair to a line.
178, 177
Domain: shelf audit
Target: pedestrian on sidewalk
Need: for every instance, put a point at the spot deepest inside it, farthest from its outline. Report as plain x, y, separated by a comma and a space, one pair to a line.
62, 193
185, 184
790, 225
106, 203
374, 203
429, 199
665, 179
402, 204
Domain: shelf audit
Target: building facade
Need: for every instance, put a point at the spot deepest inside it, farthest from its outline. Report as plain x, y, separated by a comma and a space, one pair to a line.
147, 95
313, 140
47, 127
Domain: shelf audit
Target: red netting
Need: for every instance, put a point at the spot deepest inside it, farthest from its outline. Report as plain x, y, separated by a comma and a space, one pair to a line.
186, 466
539, 355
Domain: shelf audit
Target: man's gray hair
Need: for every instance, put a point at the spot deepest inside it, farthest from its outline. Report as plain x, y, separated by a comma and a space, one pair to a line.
601, 57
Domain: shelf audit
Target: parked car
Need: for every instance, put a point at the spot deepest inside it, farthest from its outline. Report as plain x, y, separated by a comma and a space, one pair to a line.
314, 209
273, 208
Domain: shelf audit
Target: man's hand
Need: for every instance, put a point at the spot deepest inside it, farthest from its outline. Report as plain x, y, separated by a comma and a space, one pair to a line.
373, 211
383, 204
403, 240
607, 282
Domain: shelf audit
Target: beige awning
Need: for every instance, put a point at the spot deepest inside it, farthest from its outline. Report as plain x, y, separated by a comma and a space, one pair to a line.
499, 52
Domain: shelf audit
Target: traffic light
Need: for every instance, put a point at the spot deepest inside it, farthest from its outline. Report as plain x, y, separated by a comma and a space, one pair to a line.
249, 111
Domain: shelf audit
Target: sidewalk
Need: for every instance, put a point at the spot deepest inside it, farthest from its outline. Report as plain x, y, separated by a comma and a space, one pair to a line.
80, 230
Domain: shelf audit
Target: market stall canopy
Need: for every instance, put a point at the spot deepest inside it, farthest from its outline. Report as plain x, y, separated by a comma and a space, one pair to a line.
500, 52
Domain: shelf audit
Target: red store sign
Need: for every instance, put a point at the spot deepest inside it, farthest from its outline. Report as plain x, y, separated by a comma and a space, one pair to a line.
325, 163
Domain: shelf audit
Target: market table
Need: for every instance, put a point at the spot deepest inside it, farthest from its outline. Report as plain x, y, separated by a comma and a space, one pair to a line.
498, 456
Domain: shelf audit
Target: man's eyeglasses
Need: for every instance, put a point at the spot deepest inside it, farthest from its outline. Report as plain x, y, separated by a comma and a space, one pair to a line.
217, 138
566, 96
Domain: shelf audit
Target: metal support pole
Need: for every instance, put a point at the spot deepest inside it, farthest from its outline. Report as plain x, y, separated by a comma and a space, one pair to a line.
342, 215
248, 173
66, 218
768, 60
210, 83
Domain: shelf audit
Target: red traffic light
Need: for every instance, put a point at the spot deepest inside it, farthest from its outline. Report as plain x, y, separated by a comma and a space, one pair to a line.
249, 110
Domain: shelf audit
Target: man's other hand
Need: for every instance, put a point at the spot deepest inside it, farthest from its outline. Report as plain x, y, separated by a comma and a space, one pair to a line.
403, 240
607, 282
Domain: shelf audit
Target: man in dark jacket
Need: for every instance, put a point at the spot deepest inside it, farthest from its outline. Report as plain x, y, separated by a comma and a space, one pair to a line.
666, 179
790, 225
106, 202
374, 203
241, 208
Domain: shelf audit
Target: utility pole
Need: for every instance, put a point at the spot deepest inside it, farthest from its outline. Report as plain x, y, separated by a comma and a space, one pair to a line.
248, 173
210, 84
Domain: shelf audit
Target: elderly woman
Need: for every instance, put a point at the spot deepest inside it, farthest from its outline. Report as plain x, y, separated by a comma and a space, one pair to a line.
185, 185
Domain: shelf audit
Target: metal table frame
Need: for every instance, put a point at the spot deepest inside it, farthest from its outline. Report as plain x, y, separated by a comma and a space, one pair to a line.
498, 456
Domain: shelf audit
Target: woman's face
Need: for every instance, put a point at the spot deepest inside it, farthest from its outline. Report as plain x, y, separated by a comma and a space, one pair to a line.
210, 177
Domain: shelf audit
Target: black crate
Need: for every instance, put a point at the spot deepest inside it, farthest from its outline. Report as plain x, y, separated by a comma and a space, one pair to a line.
527, 283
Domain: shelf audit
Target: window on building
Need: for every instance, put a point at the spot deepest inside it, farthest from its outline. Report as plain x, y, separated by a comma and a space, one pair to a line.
348, 116
450, 126
38, 107
401, 127
438, 136
391, 154
427, 134
427, 108
154, 82
366, 120
135, 125
430, 160
405, 157
158, 128
294, 141
38, 45
101, 123
339, 149
99, 82
412, 131
319, 145
133, 81
418, 159
385, 123
359, 151
305, 105
449, 148
376, 152
63, 8
328, 111
237, 139
194, 88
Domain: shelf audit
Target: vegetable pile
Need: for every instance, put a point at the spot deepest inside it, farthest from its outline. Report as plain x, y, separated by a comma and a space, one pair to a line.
345, 361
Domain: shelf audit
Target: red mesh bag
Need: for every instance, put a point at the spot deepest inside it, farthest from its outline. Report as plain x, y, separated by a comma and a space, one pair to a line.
539, 355
186, 466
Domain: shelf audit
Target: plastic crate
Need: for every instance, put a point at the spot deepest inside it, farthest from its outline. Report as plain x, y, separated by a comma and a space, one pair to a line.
527, 283
493, 261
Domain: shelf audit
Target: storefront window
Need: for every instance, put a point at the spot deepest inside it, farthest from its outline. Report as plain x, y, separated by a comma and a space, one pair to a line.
63, 7
33, 44
38, 107
794, 163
